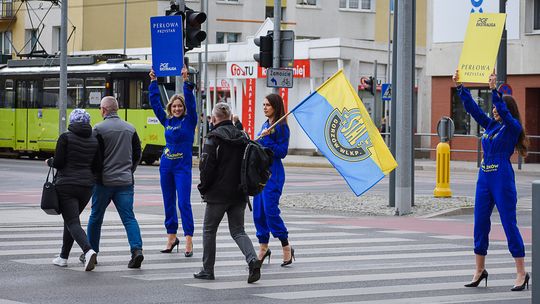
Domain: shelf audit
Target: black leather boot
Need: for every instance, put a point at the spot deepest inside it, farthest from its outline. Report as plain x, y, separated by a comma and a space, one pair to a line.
136, 259
254, 271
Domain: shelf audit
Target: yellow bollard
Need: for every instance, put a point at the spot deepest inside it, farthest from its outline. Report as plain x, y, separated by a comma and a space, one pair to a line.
442, 188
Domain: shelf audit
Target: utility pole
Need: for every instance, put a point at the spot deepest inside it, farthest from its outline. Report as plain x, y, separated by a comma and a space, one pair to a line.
125, 25
277, 37
178, 80
404, 93
501, 57
62, 103
393, 107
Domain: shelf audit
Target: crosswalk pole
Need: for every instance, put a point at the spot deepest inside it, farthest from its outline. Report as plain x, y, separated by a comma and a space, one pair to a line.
535, 237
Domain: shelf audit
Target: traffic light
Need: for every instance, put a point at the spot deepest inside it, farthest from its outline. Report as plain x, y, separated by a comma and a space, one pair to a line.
173, 11
193, 33
266, 50
369, 84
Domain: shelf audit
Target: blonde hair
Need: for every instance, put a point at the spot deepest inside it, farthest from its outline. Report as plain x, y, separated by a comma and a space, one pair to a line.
171, 101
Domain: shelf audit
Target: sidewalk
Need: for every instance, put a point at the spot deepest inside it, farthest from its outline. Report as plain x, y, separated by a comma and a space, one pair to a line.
419, 164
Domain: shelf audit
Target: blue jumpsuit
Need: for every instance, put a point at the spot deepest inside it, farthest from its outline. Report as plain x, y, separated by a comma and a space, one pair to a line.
496, 183
266, 204
176, 160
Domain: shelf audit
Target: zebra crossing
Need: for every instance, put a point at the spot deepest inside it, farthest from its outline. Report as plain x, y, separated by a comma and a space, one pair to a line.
334, 263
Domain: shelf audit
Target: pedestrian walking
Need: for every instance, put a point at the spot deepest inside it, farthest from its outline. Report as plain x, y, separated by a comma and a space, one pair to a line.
120, 151
220, 168
266, 213
503, 134
179, 121
76, 158
237, 123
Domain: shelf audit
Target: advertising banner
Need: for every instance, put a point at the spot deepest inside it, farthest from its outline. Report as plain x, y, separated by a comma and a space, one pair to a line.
284, 92
167, 45
480, 48
241, 70
248, 107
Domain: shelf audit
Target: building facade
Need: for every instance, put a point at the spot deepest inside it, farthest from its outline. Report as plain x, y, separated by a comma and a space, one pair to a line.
330, 35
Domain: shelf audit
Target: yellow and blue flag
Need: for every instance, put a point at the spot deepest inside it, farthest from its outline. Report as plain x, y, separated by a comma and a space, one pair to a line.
337, 122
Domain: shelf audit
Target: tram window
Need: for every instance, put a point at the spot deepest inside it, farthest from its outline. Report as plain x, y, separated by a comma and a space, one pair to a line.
27, 94
51, 92
33, 94
7, 94
142, 95
95, 91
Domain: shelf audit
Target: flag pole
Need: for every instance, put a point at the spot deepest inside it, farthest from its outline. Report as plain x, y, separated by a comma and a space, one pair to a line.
274, 124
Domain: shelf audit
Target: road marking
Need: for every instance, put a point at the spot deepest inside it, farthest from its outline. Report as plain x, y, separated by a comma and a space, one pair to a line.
463, 298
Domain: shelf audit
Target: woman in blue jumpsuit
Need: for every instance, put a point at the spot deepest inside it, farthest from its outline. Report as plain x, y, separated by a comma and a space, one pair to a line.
496, 184
175, 165
266, 204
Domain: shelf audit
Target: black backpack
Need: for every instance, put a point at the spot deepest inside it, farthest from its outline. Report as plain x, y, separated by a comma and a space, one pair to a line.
255, 171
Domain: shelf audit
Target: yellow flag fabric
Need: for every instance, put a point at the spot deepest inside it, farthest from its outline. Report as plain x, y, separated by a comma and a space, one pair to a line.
480, 47
337, 122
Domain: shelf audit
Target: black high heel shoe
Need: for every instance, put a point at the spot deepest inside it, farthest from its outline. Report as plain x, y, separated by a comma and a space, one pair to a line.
522, 286
268, 253
169, 250
289, 262
484, 275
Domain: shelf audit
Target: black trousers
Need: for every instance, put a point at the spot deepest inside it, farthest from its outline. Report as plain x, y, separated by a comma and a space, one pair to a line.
212, 217
73, 200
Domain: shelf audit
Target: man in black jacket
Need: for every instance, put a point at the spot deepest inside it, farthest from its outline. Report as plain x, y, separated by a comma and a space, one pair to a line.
220, 165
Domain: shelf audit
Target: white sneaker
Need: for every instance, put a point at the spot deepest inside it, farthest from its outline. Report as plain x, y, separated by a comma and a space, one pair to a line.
58, 261
90, 260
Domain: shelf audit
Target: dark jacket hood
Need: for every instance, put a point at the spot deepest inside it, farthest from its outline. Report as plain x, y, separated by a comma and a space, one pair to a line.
81, 129
226, 131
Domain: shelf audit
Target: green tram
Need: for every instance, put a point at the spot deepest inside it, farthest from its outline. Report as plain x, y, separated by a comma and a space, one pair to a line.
29, 94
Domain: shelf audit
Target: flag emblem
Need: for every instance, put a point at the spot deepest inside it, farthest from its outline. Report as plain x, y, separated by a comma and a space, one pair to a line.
347, 136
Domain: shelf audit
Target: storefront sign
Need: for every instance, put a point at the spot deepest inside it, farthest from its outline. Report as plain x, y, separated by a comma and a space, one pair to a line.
248, 107
241, 70
284, 92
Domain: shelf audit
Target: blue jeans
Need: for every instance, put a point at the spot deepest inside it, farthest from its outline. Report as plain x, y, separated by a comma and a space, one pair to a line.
122, 197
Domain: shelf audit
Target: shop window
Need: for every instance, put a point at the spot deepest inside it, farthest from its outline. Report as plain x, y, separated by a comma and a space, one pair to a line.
463, 122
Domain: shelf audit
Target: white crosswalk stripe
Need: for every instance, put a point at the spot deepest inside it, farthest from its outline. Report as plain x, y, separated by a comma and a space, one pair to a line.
335, 264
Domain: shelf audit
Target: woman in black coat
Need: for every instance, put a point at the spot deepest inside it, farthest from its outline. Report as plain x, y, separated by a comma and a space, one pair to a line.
76, 158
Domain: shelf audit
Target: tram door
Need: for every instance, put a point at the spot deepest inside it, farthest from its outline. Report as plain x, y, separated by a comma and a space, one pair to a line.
7, 114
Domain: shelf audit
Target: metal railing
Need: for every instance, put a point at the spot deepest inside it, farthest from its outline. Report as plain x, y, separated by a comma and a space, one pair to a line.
478, 150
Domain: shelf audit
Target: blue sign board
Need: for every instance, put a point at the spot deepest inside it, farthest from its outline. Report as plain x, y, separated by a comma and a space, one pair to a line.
167, 45
386, 91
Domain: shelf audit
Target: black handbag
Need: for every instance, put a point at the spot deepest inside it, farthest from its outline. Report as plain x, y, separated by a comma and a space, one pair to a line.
49, 197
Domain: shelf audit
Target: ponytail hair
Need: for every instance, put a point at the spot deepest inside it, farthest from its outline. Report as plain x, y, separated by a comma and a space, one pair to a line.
522, 145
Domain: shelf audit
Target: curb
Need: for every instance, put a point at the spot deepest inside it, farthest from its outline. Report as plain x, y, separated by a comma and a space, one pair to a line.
450, 212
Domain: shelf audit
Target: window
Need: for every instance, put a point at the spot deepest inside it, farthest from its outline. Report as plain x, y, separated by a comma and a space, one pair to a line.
31, 40
27, 94
536, 15
95, 90
270, 12
307, 2
5, 43
463, 122
55, 39
51, 93
7, 94
222, 37
355, 4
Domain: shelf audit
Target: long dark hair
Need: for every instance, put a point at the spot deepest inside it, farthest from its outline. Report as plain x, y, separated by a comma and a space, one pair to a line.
276, 102
523, 143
